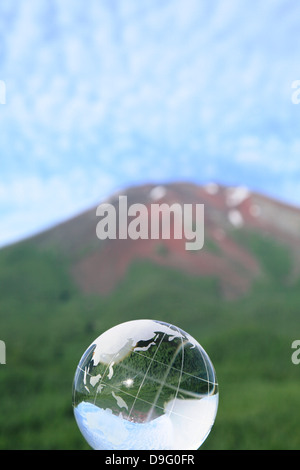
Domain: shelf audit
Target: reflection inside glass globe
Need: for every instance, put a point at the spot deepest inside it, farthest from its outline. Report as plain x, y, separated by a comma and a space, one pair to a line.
145, 385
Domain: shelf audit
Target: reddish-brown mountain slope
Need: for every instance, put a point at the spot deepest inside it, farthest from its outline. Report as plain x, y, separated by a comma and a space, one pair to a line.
98, 266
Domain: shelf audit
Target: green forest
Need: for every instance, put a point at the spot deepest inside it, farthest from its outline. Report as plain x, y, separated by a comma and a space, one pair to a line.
47, 324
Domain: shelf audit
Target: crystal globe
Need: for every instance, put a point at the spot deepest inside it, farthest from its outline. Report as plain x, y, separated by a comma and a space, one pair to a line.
145, 385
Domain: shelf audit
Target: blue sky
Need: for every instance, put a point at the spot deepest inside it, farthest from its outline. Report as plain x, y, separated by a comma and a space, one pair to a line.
108, 93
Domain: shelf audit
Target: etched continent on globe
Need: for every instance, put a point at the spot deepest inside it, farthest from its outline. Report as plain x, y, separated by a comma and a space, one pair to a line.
145, 385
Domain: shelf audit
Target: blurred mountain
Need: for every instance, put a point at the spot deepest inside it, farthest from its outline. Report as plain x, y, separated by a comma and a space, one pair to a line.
238, 296
248, 237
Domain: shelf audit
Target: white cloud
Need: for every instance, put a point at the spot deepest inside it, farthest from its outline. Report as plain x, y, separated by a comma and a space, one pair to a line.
38, 203
130, 90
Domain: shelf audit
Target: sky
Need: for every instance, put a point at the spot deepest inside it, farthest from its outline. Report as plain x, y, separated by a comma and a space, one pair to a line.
97, 96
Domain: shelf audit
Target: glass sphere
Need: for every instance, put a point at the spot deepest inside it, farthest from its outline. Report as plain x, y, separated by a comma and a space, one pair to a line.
145, 385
